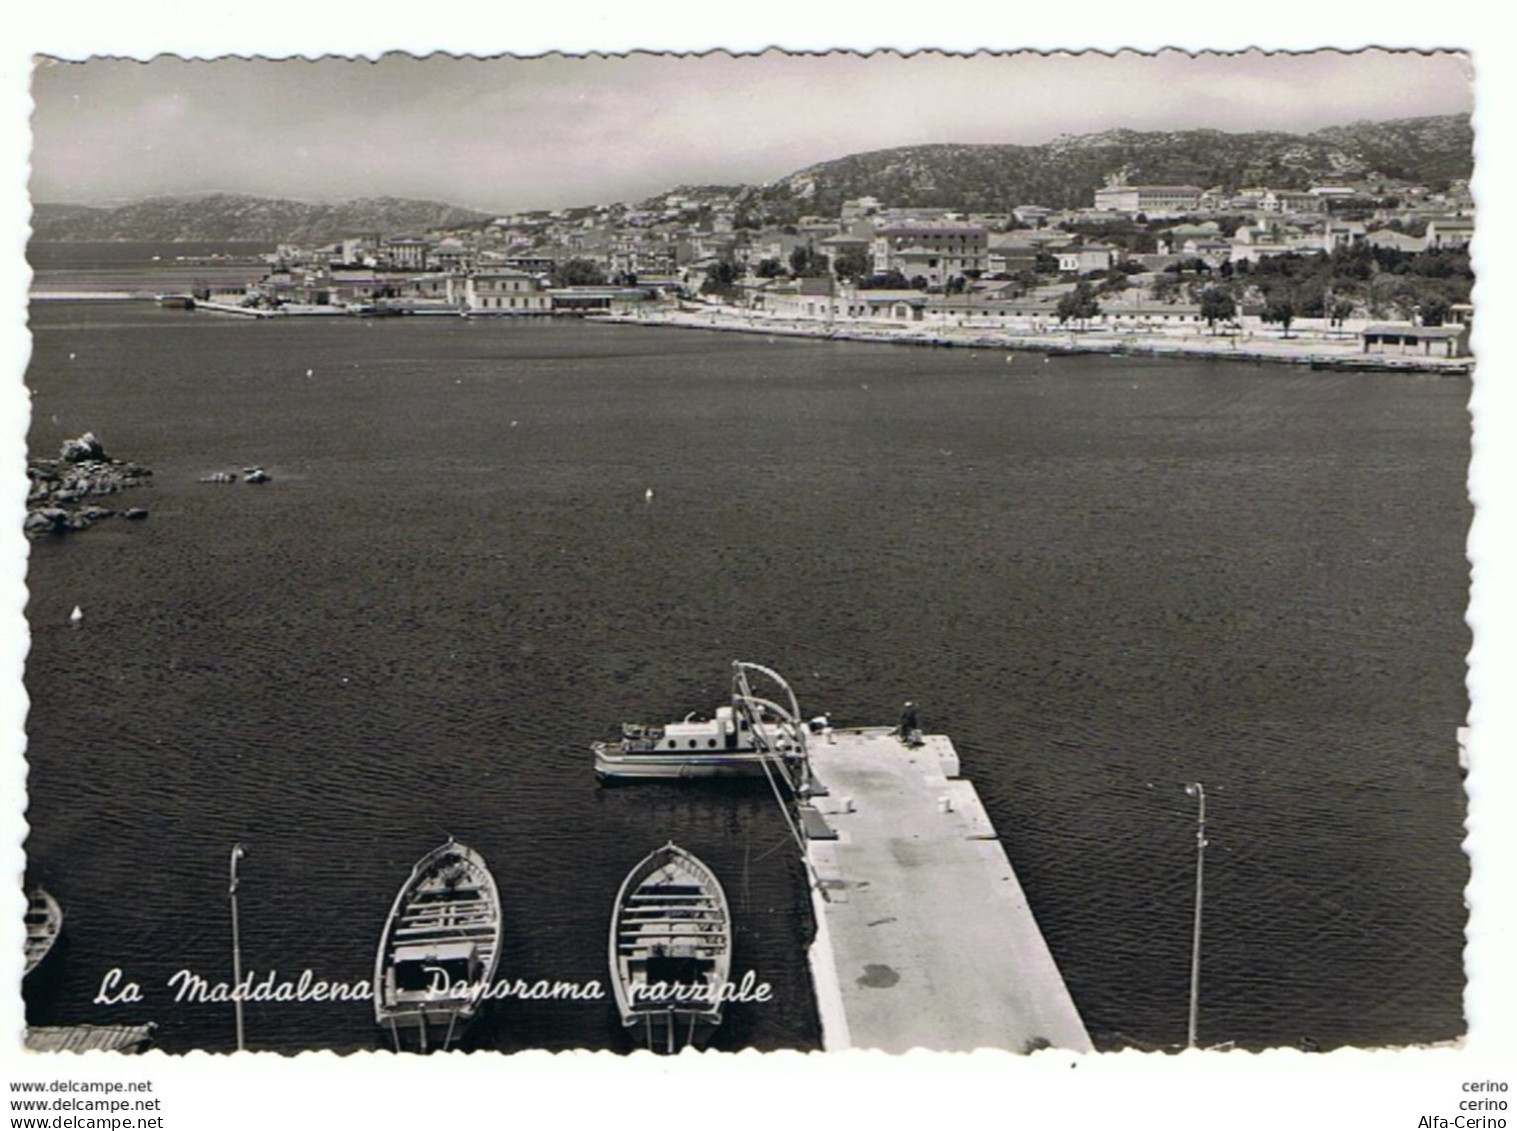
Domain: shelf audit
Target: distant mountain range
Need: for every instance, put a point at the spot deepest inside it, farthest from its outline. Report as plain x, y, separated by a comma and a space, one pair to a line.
1063, 173
233, 216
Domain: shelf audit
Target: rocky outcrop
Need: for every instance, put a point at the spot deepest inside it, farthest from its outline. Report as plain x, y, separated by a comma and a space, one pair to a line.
249, 475
65, 492
86, 449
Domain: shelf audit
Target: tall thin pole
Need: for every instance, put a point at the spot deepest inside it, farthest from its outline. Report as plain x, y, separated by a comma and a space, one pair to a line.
1195, 789
237, 854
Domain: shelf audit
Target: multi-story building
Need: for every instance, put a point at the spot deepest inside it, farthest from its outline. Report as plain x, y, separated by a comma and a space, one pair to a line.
1149, 200
406, 253
1291, 202
935, 252
1009, 257
497, 291
1450, 231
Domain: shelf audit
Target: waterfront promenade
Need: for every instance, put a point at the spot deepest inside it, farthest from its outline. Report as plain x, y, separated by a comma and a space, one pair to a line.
1302, 348
924, 936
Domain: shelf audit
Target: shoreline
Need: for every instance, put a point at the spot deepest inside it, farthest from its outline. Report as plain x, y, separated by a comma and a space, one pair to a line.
1316, 353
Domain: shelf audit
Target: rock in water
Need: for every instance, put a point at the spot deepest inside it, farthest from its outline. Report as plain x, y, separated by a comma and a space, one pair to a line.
86, 447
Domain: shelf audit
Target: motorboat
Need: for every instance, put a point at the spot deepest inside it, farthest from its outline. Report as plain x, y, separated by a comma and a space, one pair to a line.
749, 736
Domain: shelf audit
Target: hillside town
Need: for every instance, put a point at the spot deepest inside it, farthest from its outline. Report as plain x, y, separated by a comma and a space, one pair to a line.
1372, 263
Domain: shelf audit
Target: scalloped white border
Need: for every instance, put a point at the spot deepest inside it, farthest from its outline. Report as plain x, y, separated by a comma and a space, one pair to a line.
1362, 1089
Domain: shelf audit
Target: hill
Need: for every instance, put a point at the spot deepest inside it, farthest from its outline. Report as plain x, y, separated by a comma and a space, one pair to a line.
233, 216
1065, 173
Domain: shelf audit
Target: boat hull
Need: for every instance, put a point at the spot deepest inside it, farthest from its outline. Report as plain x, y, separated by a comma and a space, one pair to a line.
612, 763
44, 923
441, 943
670, 950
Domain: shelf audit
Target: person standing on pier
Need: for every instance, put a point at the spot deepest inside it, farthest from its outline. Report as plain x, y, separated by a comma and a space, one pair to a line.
909, 731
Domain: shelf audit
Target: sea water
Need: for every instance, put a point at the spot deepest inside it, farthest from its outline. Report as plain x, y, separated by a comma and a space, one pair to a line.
487, 543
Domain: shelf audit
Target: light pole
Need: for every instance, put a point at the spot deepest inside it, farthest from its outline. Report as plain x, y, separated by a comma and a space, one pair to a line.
1195, 789
237, 854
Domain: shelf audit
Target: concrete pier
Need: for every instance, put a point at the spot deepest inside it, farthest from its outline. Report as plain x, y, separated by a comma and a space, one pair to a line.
924, 937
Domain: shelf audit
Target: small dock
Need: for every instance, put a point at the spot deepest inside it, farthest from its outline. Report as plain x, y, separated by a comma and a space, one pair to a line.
924, 937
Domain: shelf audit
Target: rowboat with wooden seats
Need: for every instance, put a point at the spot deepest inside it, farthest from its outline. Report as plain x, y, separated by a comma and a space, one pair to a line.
439, 949
671, 950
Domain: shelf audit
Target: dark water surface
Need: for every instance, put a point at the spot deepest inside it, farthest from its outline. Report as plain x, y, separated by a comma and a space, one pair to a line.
1102, 577
94, 267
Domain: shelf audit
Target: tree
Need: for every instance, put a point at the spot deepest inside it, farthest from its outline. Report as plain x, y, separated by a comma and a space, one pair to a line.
851, 264
768, 269
1166, 288
807, 263
721, 279
1434, 311
891, 280
579, 273
1079, 304
1217, 305
1281, 311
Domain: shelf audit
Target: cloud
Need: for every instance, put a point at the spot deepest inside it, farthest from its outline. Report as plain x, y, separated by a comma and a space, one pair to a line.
509, 133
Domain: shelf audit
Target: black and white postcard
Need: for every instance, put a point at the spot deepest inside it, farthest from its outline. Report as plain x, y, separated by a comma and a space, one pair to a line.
753, 551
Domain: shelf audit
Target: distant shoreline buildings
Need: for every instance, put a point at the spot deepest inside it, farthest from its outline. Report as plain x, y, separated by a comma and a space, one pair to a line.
1141, 254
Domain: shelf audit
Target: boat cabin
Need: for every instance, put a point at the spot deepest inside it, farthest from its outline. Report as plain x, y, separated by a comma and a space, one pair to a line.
727, 731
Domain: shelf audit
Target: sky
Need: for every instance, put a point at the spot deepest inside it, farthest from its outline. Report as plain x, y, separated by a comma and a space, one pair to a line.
505, 134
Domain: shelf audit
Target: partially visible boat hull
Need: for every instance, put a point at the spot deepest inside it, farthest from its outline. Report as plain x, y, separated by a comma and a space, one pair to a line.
44, 923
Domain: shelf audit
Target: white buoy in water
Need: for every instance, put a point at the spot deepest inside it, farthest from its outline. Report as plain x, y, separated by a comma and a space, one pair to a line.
310, 372
76, 618
648, 495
